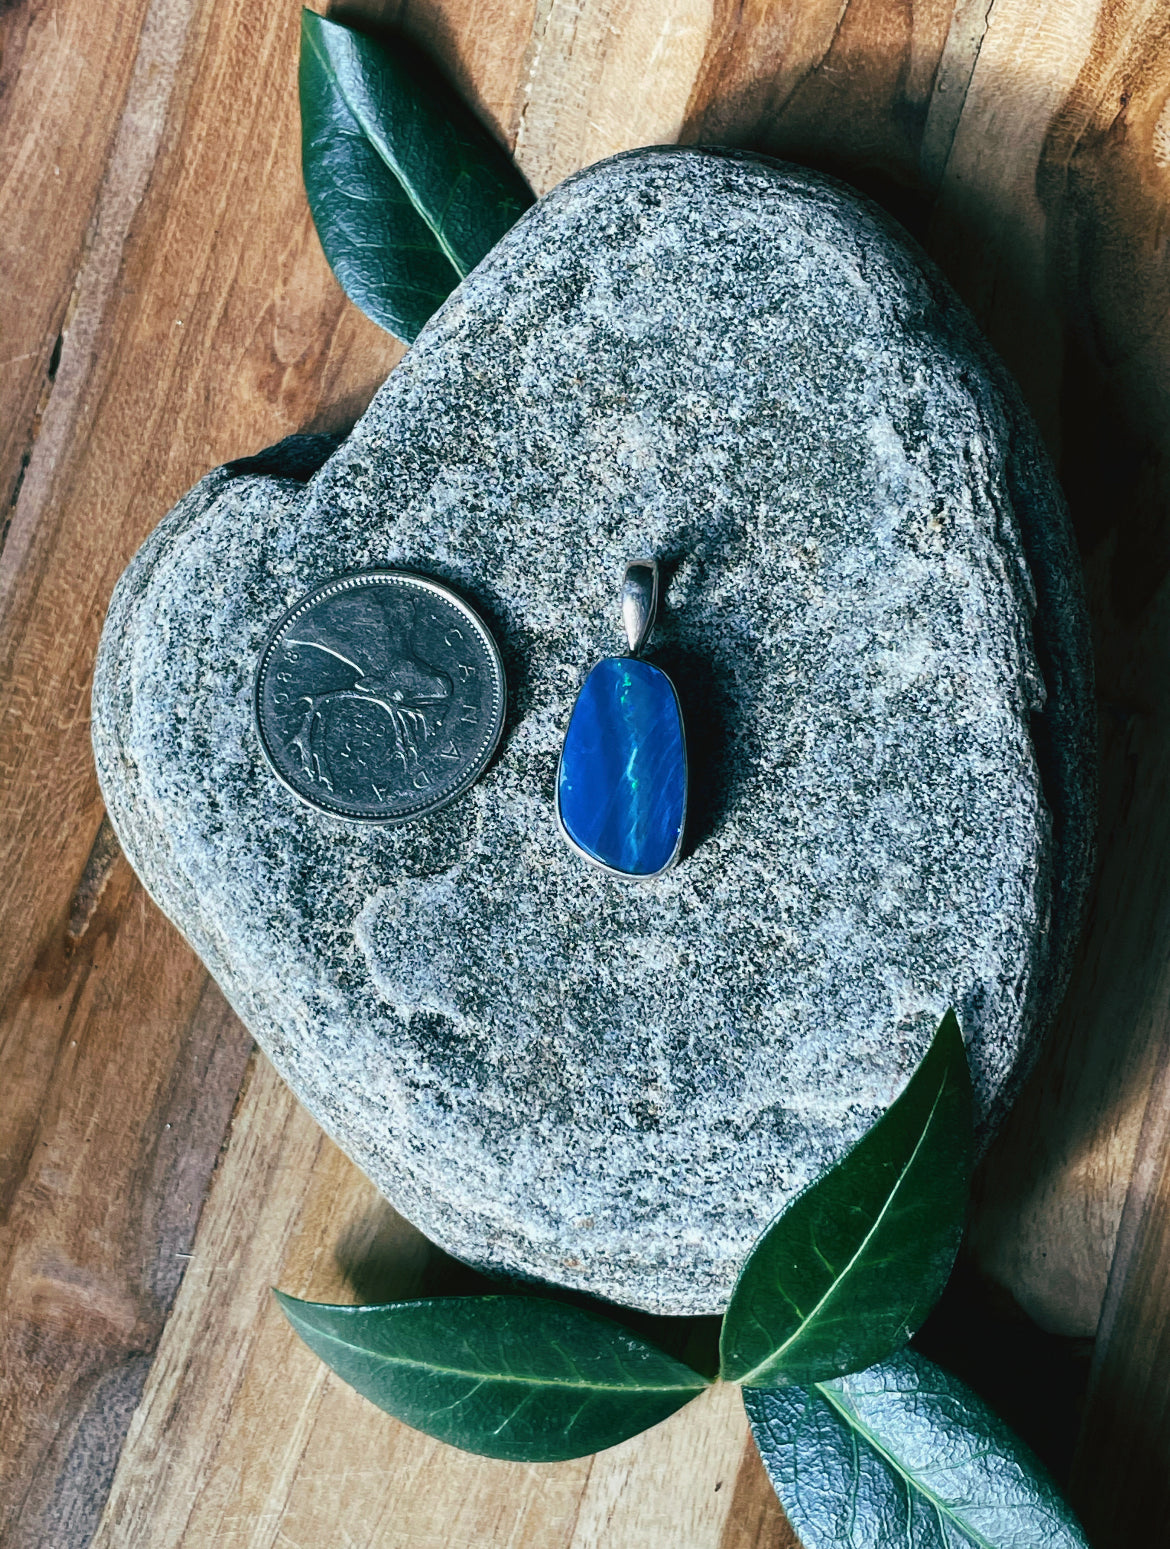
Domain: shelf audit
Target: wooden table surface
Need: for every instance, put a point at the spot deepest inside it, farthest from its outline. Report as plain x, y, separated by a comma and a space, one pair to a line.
165, 306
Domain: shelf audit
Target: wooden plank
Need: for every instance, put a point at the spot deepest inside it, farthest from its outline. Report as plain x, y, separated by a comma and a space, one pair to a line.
1120, 1479
604, 77
244, 1438
150, 392
1051, 213
37, 688
952, 81
64, 70
755, 1520
674, 1484
106, 1019
1112, 147
841, 84
103, 1183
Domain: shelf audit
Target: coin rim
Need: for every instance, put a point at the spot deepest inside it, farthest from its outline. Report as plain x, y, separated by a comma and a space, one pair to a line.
383, 576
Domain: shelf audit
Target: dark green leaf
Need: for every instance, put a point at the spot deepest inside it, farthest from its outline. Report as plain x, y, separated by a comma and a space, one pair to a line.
850, 1270
904, 1456
408, 191
517, 1377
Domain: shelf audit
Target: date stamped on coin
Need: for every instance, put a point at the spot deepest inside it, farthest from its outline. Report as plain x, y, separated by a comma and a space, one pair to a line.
380, 697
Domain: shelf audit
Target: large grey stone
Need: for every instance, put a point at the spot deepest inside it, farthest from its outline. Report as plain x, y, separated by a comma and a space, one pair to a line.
875, 623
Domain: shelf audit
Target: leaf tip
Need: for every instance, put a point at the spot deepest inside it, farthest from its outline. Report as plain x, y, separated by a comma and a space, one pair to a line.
949, 1026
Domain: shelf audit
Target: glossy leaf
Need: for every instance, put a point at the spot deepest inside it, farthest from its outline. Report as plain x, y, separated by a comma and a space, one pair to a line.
849, 1271
516, 1377
408, 191
904, 1456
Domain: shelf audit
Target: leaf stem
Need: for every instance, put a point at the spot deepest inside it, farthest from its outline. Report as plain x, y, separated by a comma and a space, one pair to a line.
582, 1385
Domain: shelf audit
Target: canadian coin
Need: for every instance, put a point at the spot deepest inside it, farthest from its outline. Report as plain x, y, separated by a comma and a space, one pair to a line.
379, 697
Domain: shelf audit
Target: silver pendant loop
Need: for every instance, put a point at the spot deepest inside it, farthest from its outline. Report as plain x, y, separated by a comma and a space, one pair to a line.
639, 601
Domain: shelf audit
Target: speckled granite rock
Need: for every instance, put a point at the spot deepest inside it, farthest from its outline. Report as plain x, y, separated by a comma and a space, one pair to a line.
874, 619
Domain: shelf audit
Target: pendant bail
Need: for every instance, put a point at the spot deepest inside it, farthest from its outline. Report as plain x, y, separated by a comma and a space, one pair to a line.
639, 601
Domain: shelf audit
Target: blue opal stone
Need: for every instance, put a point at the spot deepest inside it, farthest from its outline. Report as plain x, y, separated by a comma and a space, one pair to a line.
622, 785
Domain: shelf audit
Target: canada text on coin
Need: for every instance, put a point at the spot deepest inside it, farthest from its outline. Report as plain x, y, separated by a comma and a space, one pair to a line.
379, 696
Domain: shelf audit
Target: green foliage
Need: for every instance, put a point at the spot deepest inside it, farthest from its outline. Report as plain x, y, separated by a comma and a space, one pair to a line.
897, 1456
850, 1270
408, 190
519, 1377
904, 1456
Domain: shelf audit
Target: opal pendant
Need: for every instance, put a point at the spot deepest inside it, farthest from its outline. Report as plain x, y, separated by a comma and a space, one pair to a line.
622, 780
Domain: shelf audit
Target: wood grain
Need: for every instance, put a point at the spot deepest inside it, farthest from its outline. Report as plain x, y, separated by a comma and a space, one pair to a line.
64, 70
165, 307
1121, 1481
244, 1438
755, 1520
845, 87
103, 1029
106, 1161
1066, 267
